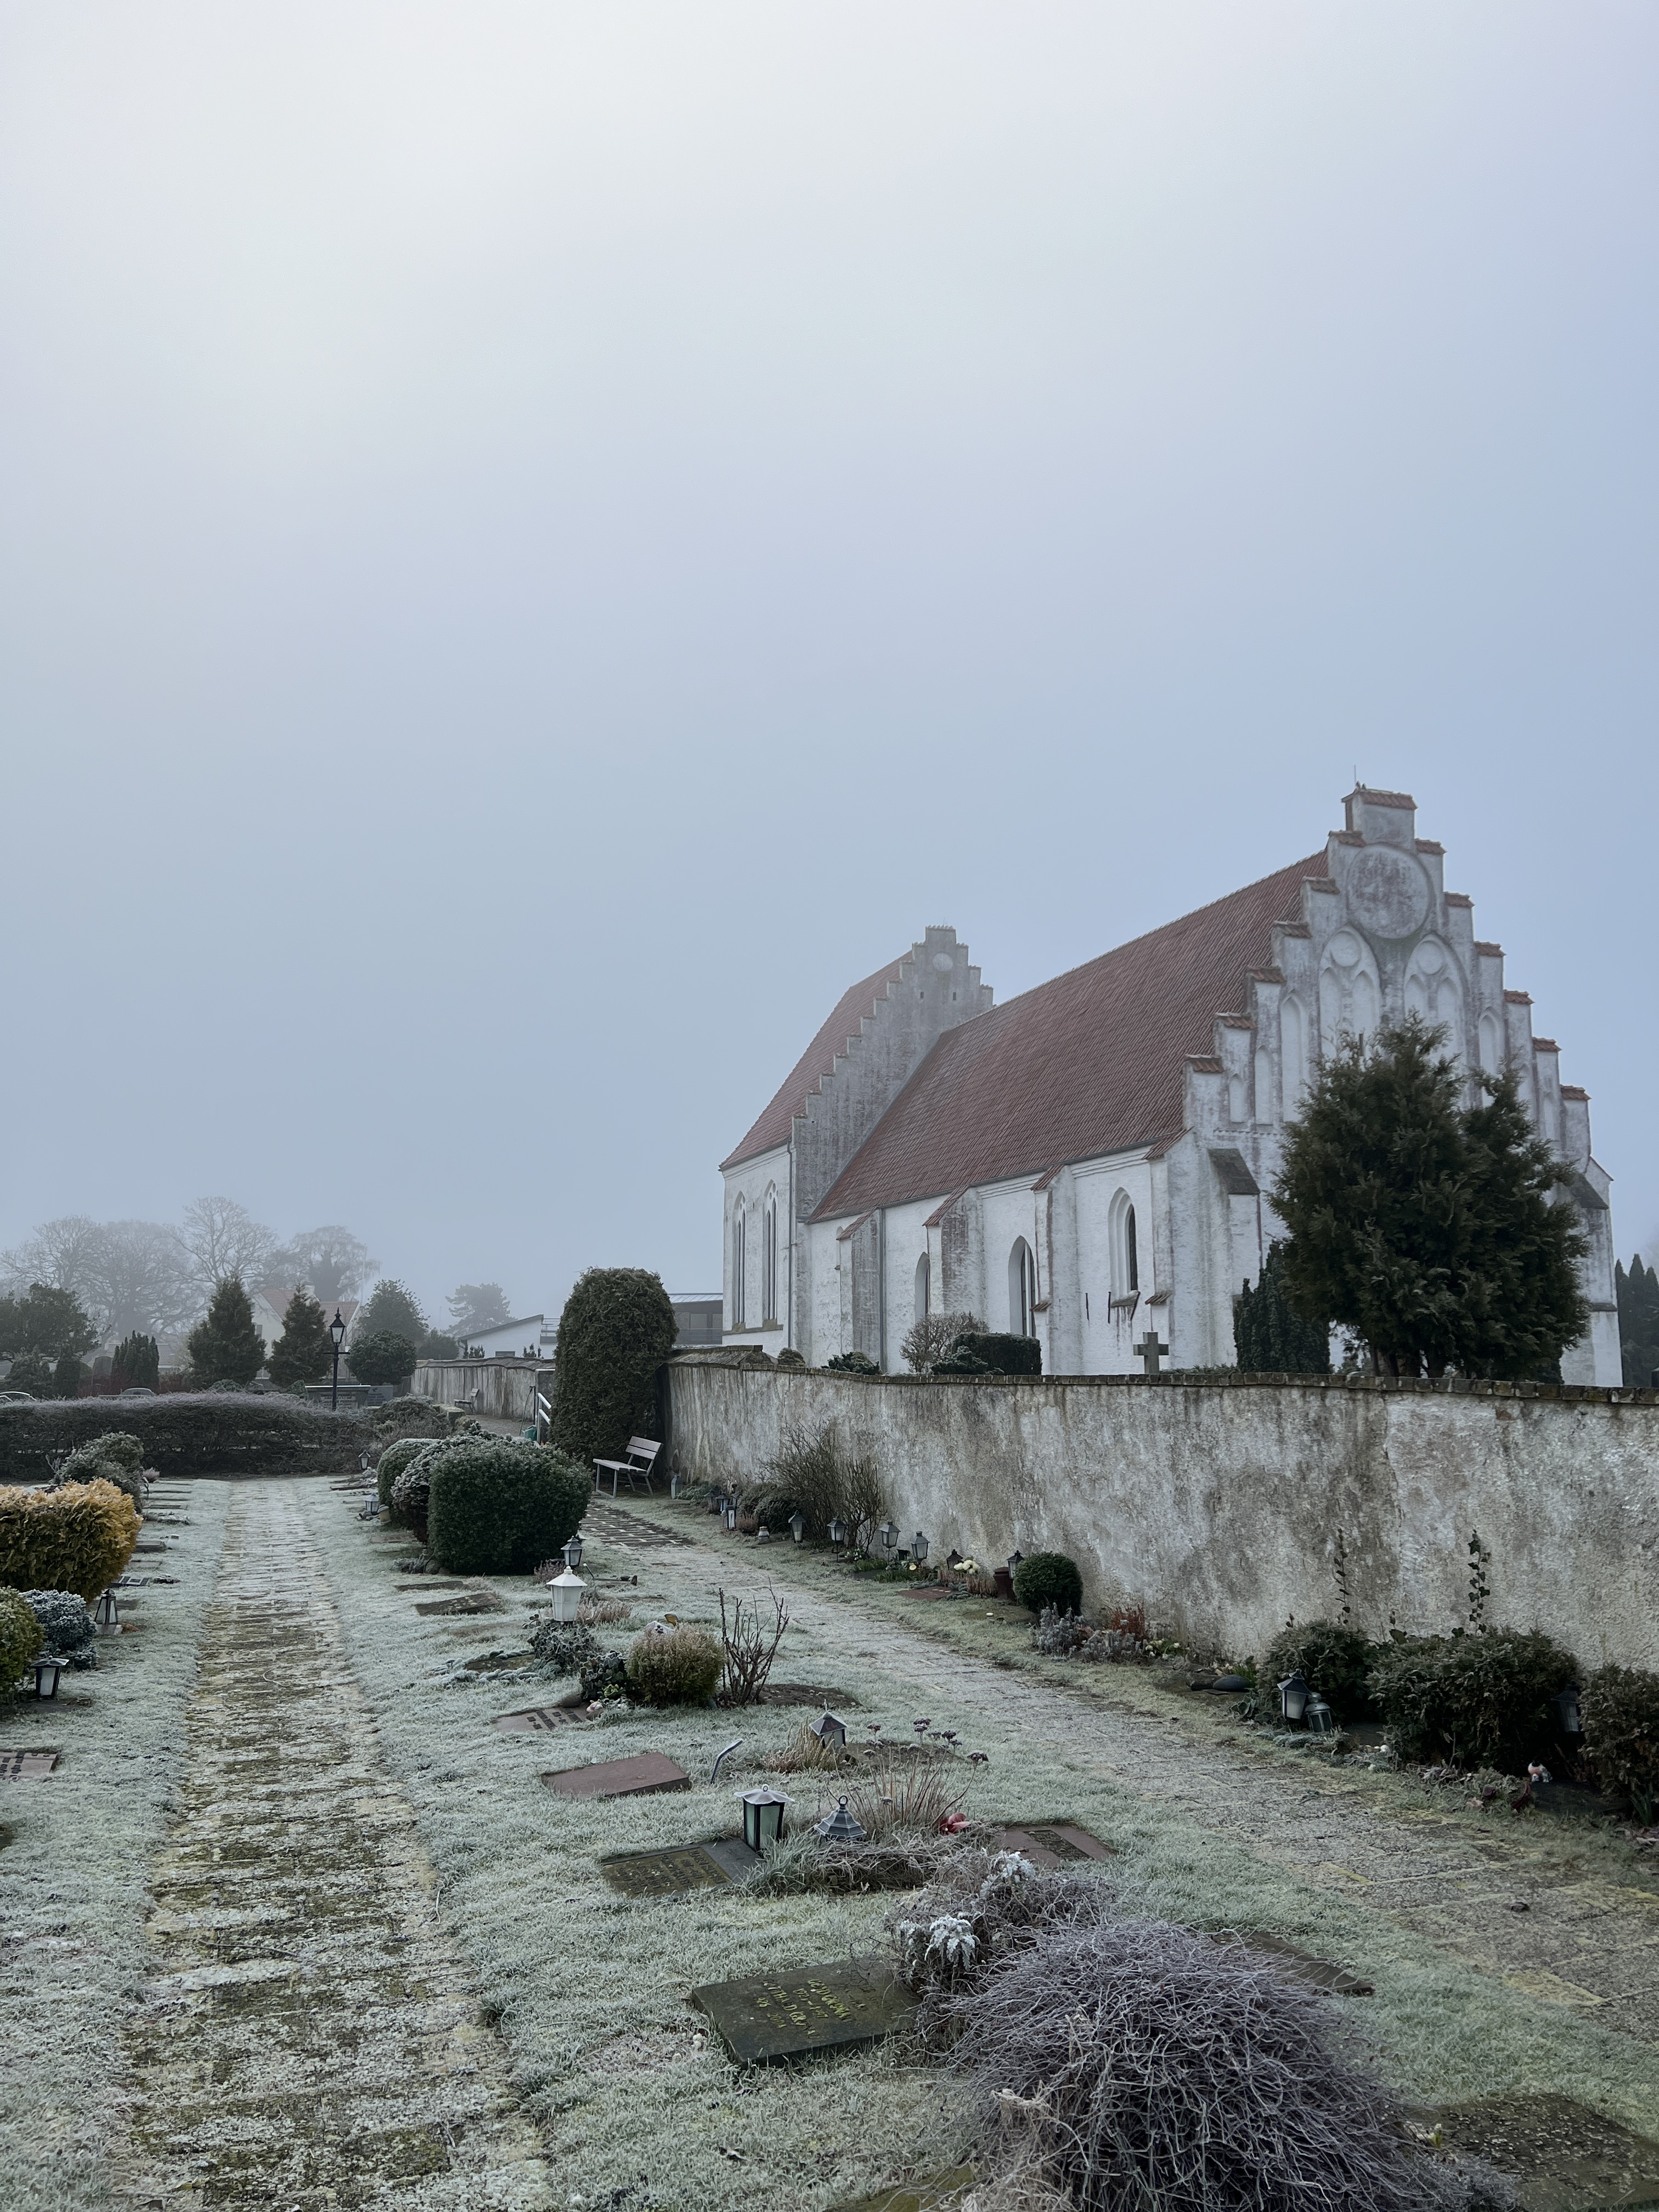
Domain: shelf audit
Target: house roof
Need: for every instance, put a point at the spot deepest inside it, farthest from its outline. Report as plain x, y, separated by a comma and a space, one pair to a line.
815, 1063
1089, 1063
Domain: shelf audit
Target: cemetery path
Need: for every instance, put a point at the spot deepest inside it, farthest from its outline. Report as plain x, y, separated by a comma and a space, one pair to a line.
310, 2036
1509, 1906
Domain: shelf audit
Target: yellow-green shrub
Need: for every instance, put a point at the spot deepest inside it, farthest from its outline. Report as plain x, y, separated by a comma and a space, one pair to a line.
20, 1638
79, 1538
673, 1667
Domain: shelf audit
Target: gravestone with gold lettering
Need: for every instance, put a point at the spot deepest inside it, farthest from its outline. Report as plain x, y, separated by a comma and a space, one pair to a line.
765, 2017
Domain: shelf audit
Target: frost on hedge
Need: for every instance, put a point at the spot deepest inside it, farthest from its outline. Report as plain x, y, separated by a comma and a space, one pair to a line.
79, 1538
495, 1507
185, 1432
65, 1625
19, 1637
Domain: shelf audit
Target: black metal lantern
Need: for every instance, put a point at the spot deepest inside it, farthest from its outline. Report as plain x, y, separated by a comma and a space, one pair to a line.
1016, 1560
918, 1548
830, 1731
573, 1553
1322, 1721
838, 1532
797, 1525
107, 1619
1567, 1713
841, 1827
888, 1535
1293, 1699
337, 1329
762, 1818
48, 1673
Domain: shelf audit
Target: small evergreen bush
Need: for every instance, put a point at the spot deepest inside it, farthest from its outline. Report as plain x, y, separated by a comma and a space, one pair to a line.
1331, 1658
605, 1675
673, 1667
616, 1329
227, 1347
116, 1457
1049, 1578
852, 1363
791, 1361
382, 1358
999, 1352
66, 1626
1482, 1700
1620, 1710
415, 1417
20, 1638
564, 1646
393, 1460
79, 1538
502, 1508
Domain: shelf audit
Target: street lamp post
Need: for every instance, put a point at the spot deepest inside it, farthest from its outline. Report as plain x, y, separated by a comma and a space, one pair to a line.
337, 1329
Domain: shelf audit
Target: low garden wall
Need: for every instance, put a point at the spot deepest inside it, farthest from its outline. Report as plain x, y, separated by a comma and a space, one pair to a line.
1226, 1507
186, 1432
504, 1389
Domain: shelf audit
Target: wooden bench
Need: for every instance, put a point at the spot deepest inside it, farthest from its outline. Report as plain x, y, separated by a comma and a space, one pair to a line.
637, 1466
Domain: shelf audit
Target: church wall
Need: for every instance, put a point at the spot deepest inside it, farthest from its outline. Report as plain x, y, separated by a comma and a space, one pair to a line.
750, 1184
1220, 1505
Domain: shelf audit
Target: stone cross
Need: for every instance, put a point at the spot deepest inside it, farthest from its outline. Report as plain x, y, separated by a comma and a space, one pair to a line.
1149, 1349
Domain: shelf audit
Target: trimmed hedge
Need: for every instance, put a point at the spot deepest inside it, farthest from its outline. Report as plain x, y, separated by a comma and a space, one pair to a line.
1481, 1700
1331, 1659
79, 1538
673, 1667
20, 1638
1049, 1578
616, 1329
393, 1460
1000, 1353
186, 1432
1620, 1709
502, 1508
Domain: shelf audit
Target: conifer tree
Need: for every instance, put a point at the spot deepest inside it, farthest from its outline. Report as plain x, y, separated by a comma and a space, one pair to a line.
1638, 1293
1271, 1336
137, 1364
1424, 1225
226, 1347
304, 1352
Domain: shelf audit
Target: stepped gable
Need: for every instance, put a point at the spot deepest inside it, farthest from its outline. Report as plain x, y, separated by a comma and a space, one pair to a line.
1090, 1063
818, 1060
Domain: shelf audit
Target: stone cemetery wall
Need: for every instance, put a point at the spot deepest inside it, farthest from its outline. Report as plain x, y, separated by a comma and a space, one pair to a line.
1225, 1507
506, 1388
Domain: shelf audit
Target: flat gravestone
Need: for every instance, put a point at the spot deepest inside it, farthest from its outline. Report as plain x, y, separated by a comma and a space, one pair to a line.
1050, 1844
672, 1873
640, 1776
833, 2008
474, 1602
806, 1693
26, 1765
1303, 1967
537, 1720
1562, 2155
432, 1583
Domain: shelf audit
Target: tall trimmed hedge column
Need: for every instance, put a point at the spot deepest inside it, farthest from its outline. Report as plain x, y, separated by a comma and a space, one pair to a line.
616, 1329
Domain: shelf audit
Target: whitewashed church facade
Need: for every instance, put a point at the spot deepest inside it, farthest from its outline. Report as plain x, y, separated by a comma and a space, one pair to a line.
1090, 1162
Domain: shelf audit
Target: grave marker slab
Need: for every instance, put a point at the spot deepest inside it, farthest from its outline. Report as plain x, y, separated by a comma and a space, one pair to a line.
474, 1602
836, 2007
673, 1872
1050, 1844
641, 1776
26, 1765
1319, 1974
538, 1720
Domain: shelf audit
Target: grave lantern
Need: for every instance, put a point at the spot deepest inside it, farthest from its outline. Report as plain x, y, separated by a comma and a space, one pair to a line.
830, 1731
919, 1548
573, 1553
1016, 1560
676, 1483
566, 1591
838, 1531
797, 1525
1292, 1699
1320, 1719
888, 1535
730, 1516
48, 1671
107, 1619
762, 1818
1567, 1712
841, 1827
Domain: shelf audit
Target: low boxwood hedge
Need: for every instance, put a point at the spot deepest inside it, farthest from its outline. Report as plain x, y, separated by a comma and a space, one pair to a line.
500, 1508
187, 1432
79, 1538
1486, 1699
994, 1352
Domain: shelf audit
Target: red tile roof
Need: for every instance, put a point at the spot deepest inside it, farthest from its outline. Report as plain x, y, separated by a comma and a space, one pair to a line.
1091, 1062
815, 1063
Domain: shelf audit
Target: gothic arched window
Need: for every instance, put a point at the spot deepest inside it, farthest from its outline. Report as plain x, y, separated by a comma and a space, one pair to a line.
739, 1240
769, 1257
1124, 1247
924, 1286
1293, 1054
1021, 1289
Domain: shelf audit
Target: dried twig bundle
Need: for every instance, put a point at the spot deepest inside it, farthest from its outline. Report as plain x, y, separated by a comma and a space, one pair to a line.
750, 1646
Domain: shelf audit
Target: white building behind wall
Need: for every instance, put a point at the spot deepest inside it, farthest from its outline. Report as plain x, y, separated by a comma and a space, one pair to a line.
1092, 1159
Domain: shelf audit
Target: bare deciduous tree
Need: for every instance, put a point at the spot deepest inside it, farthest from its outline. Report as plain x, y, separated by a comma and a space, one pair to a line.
334, 1262
223, 1241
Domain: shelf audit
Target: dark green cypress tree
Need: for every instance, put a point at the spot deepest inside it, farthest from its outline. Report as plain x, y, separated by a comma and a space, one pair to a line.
226, 1347
304, 1352
1637, 1294
137, 1364
1270, 1336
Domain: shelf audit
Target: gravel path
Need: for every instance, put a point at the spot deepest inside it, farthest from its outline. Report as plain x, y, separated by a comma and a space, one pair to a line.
310, 2036
1582, 1940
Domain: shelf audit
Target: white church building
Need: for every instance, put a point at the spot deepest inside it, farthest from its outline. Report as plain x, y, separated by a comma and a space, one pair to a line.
1091, 1161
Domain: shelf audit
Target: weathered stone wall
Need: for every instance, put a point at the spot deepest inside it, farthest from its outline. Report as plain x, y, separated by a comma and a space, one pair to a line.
506, 1388
1221, 1506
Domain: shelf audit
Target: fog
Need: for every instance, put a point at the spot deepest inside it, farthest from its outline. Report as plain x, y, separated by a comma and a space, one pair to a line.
540, 543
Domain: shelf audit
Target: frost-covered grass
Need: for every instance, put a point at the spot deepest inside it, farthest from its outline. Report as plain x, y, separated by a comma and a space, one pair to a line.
591, 1987
73, 1898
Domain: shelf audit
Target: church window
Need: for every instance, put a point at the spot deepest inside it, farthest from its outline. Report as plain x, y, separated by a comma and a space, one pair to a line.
1124, 1247
1264, 1087
923, 1284
769, 1257
1235, 1097
739, 1239
1021, 1289
1492, 1044
1293, 1054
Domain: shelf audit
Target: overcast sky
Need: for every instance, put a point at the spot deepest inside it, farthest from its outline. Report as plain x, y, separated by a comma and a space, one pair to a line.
541, 542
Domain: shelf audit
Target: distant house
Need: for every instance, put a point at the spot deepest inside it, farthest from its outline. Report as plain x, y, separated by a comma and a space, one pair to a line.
697, 1317
531, 1337
270, 1303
